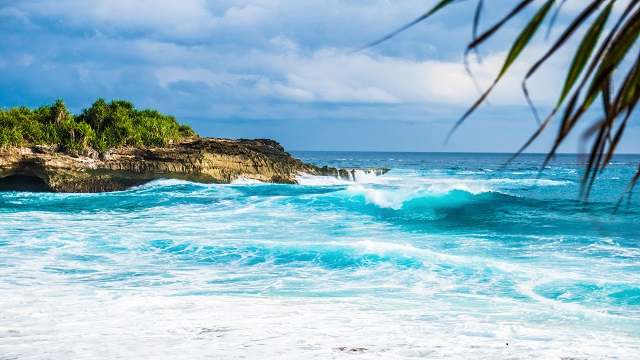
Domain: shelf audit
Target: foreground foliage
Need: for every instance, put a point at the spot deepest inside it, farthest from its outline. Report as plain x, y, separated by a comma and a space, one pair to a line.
605, 67
101, 127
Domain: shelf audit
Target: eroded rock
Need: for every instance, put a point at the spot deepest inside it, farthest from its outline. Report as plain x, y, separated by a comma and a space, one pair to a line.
203, 160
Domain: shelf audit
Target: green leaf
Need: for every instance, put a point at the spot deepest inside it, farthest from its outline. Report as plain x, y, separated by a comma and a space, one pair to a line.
520, 43
585, 50
439, 6
476, 41
618, 49
525, 36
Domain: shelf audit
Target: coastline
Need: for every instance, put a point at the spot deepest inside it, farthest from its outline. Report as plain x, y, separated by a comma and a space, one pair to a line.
202, 160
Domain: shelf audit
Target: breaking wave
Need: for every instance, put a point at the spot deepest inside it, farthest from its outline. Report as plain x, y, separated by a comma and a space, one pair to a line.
460, 252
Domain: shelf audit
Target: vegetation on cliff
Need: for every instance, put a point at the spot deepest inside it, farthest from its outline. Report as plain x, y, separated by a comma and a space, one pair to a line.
101, 127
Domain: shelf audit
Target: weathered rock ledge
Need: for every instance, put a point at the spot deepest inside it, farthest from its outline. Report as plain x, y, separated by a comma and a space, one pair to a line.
203, 160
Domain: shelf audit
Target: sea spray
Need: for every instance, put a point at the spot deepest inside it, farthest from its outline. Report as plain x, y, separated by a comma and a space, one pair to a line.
444, 256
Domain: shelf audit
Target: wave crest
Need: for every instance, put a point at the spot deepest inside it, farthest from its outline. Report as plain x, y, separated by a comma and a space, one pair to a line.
399, 198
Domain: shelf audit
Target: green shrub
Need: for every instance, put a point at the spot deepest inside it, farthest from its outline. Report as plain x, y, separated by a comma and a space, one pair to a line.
102, 126
12, 137
76, 135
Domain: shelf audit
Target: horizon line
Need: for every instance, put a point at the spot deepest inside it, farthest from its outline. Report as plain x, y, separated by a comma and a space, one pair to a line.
456, 152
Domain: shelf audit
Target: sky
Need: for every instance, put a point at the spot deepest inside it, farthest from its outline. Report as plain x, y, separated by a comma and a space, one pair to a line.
284, 69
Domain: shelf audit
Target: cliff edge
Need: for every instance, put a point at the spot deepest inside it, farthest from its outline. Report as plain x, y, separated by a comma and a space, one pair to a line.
205, 160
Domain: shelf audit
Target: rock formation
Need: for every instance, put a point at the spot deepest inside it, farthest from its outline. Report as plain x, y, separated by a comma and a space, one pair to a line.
199, 160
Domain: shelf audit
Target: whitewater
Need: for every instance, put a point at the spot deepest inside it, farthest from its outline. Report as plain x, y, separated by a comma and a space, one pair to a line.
449, 256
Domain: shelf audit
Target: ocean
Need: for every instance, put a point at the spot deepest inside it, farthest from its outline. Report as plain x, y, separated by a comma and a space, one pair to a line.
446, 256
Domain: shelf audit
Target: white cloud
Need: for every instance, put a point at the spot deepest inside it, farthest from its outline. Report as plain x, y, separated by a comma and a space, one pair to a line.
245, 15
169, 75
334, 76
258, 52
184, 18
201, 19
283, 43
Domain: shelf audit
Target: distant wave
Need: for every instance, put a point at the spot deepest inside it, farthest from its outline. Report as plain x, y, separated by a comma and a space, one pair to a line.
414, 199
394, 192
406, 184
447, 183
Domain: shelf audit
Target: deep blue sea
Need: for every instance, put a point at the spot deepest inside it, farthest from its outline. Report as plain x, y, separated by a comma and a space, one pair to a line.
445, 256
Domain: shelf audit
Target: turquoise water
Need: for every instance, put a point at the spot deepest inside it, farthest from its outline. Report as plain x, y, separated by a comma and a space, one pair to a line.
445, 256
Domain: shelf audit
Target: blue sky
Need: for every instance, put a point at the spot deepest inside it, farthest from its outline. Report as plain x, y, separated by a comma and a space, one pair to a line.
279, 69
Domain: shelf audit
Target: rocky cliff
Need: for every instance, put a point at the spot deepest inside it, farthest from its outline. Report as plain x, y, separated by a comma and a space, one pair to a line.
199, 160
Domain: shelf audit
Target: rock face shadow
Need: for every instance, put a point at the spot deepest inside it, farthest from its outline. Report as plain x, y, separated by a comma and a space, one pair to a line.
24, 183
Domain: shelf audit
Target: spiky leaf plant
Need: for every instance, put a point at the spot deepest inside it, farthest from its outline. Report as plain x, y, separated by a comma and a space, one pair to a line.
595, 73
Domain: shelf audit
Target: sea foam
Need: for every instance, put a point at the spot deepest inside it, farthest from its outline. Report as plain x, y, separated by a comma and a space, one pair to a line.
448, 256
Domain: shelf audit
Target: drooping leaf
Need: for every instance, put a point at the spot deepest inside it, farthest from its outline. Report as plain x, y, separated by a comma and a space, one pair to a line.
525, 36
492, 30
564, 37
594, 66
585, 49
521, 42
439, 6
619, 47
570, 117
567, 33
552, 22
476, 22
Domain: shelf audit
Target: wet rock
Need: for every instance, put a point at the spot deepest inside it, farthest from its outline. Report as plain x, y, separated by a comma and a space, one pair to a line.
349, 174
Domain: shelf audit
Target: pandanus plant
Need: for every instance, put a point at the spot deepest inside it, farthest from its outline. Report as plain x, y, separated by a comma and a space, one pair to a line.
596, 73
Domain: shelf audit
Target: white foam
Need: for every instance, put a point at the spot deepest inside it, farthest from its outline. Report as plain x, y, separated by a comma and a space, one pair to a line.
437, 310
362, 176
314, 180
394, 191
393, 198
162, 183
245, 181
150, 325
393, 194
529, 182
395, 188
382, 247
